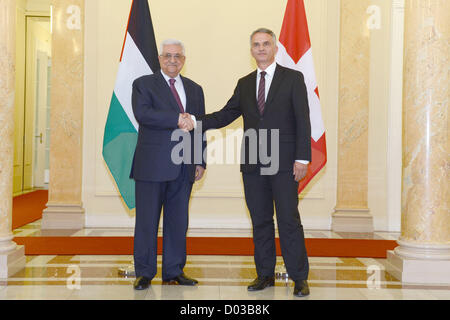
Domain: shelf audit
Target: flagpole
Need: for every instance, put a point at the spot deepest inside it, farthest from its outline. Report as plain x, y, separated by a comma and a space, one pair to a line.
282, 274
295, 53
128, 271
139, 57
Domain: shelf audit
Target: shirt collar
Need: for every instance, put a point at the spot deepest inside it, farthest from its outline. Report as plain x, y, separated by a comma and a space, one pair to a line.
177, 78
270, 70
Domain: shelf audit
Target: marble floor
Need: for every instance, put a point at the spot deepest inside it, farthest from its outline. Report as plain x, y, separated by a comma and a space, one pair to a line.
97, 277
220, 278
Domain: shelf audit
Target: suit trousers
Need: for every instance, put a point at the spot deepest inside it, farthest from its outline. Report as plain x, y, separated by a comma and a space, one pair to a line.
151, 197
261, 192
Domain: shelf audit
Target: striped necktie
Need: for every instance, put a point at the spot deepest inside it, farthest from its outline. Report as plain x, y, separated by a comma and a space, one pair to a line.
175, 94
262, 93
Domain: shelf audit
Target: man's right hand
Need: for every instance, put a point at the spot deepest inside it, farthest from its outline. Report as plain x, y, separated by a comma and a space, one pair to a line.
185, 122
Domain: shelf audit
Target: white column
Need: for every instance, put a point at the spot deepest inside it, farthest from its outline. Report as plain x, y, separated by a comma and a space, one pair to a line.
12, 257
423, 254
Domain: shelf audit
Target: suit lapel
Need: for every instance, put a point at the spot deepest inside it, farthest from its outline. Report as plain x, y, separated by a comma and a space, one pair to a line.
189, 92
276, 81
166, 92
252, 90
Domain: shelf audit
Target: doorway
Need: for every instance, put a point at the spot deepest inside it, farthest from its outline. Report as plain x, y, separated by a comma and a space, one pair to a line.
32, 134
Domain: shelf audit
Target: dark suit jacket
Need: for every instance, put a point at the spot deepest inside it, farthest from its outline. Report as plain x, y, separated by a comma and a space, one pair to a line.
286, 109
157, 112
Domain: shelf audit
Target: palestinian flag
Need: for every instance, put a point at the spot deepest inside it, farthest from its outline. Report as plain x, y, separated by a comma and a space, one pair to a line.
139, 57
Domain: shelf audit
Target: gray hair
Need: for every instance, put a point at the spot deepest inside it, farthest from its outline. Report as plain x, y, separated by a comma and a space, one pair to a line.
171, 42
264, 30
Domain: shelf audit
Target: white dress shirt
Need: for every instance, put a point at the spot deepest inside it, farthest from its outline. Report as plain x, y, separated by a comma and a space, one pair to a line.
270, 71
179, 86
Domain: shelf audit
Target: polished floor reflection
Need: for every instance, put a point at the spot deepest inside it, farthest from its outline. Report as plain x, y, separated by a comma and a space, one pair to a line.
220, 278
34, 230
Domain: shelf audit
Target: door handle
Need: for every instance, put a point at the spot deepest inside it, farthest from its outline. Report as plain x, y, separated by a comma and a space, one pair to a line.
40, 137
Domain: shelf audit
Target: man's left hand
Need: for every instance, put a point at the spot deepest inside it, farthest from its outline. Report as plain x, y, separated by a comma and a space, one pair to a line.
300, 171
199, 171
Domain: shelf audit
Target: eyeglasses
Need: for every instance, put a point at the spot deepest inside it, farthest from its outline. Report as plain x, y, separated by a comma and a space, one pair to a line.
169, 56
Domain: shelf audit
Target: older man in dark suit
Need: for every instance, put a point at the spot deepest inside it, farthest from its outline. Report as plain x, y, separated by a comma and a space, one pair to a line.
160, 102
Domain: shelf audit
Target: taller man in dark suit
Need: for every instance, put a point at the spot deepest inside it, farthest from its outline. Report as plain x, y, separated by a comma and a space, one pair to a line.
272, 99
160, 101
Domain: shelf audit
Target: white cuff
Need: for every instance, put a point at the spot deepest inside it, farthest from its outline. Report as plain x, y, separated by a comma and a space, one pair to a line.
195, 121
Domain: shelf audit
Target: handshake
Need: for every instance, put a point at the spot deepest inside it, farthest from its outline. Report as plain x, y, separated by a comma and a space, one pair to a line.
185, 122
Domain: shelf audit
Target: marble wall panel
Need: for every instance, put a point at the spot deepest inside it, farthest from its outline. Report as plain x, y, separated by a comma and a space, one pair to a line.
353, 121
67, 100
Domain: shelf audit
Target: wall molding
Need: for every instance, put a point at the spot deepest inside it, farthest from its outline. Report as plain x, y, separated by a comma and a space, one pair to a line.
100, 195
196, 221
395, 109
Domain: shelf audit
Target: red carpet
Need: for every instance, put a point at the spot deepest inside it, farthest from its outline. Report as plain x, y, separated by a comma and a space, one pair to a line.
358, 248
28, 208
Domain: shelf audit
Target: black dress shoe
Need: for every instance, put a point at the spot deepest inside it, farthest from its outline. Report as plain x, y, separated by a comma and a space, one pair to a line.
301, 288
141, 283
261, 283
181, 280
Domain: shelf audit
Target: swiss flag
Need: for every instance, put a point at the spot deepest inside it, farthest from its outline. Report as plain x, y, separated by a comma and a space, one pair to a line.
294, 52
